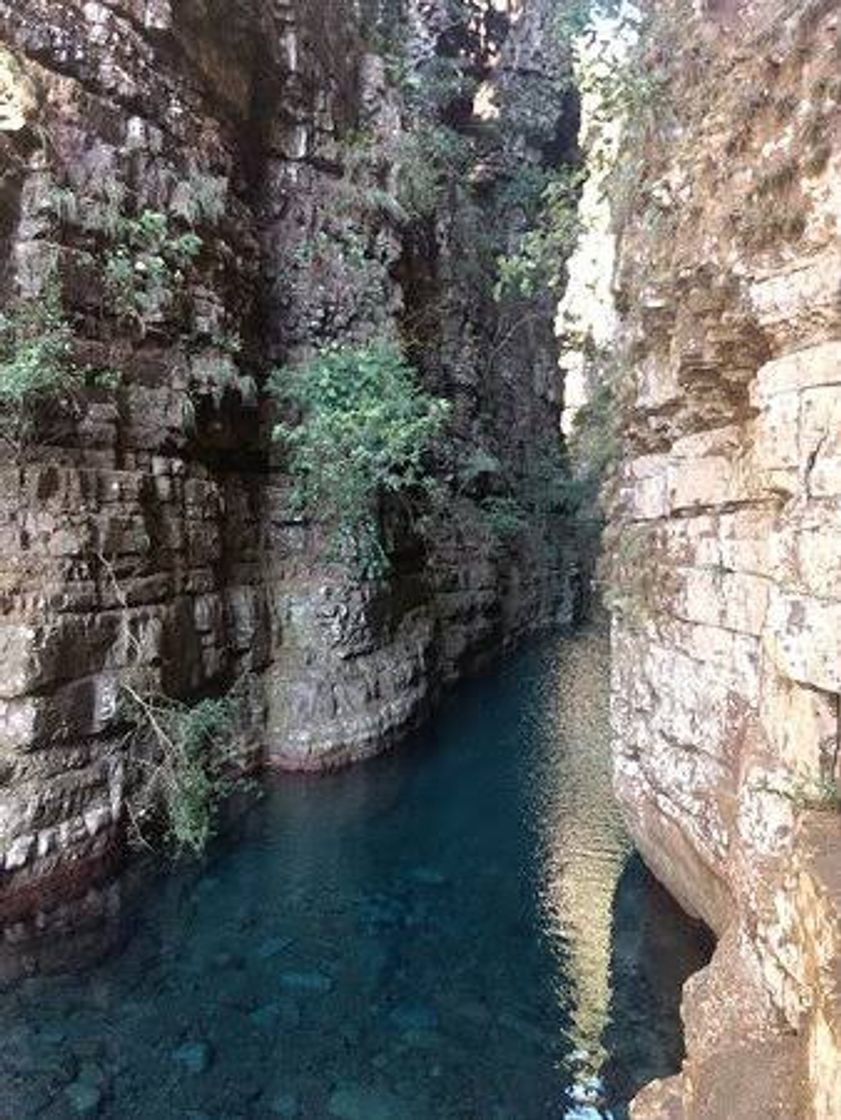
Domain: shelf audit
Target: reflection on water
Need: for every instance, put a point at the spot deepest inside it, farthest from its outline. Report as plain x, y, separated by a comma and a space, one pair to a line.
583, 845
453, 932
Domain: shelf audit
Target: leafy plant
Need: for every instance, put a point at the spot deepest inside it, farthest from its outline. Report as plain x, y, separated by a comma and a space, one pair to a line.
428, 159
187, 758
504, 516
575, 17
523, 190
215, 371
147, 267
478, 465
537, 262
37, 368
364, 430
189, 763
97, 210
441, 81
200, 199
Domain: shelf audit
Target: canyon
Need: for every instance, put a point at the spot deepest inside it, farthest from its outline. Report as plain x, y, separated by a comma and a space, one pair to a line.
156, 531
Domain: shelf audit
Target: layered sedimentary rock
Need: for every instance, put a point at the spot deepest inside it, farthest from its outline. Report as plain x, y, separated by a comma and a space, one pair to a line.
724, 539
152, 524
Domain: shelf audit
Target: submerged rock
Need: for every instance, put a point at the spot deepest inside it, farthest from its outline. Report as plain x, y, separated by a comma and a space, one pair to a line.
195, 1057
428, 876
266, 1016
83, 1097
361, 1102
273, 947
283, 1012
414, 1018
284, 1104
307, 981
583, 1112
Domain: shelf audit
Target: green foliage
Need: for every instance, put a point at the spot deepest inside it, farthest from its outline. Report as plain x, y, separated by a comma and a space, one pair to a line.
382, 25
147, 261
537, 262
575, 17
361, 192
100, 206
365, 428
428, 160
638, 93
190, 765
437, 84
343, 245
200, 199
215, 371
480, 464
63, 204
379, 203
504, 516
523, 190
37, 367
198, 778
37, 349
146, 268
98, 211
509, 502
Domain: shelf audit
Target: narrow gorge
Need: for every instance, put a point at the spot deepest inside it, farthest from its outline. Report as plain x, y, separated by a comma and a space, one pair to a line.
345, 347
326, 195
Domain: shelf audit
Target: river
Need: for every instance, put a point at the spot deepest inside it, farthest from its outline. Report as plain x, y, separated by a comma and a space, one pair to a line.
458, 930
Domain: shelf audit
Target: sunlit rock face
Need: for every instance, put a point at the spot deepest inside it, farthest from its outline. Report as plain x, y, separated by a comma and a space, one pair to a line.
724, 542
158, 529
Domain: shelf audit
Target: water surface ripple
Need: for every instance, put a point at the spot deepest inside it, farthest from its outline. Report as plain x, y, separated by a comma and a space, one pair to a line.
457, 931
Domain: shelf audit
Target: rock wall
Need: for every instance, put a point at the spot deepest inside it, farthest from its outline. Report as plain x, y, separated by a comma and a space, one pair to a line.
151, 524
724, 558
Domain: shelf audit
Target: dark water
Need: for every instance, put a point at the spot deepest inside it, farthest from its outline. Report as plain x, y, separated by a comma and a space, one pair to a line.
455, 932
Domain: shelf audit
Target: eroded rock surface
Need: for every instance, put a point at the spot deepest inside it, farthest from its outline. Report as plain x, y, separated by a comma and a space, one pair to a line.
724, 542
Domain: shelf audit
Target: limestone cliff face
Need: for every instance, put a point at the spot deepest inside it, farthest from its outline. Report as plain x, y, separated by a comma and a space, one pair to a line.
155, 525
724, 539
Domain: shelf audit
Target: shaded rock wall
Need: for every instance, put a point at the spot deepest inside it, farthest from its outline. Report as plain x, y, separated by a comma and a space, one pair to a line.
153, 526
723, 539
131, 535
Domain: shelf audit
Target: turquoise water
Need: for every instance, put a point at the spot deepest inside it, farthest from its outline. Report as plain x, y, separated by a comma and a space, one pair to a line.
457, 931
